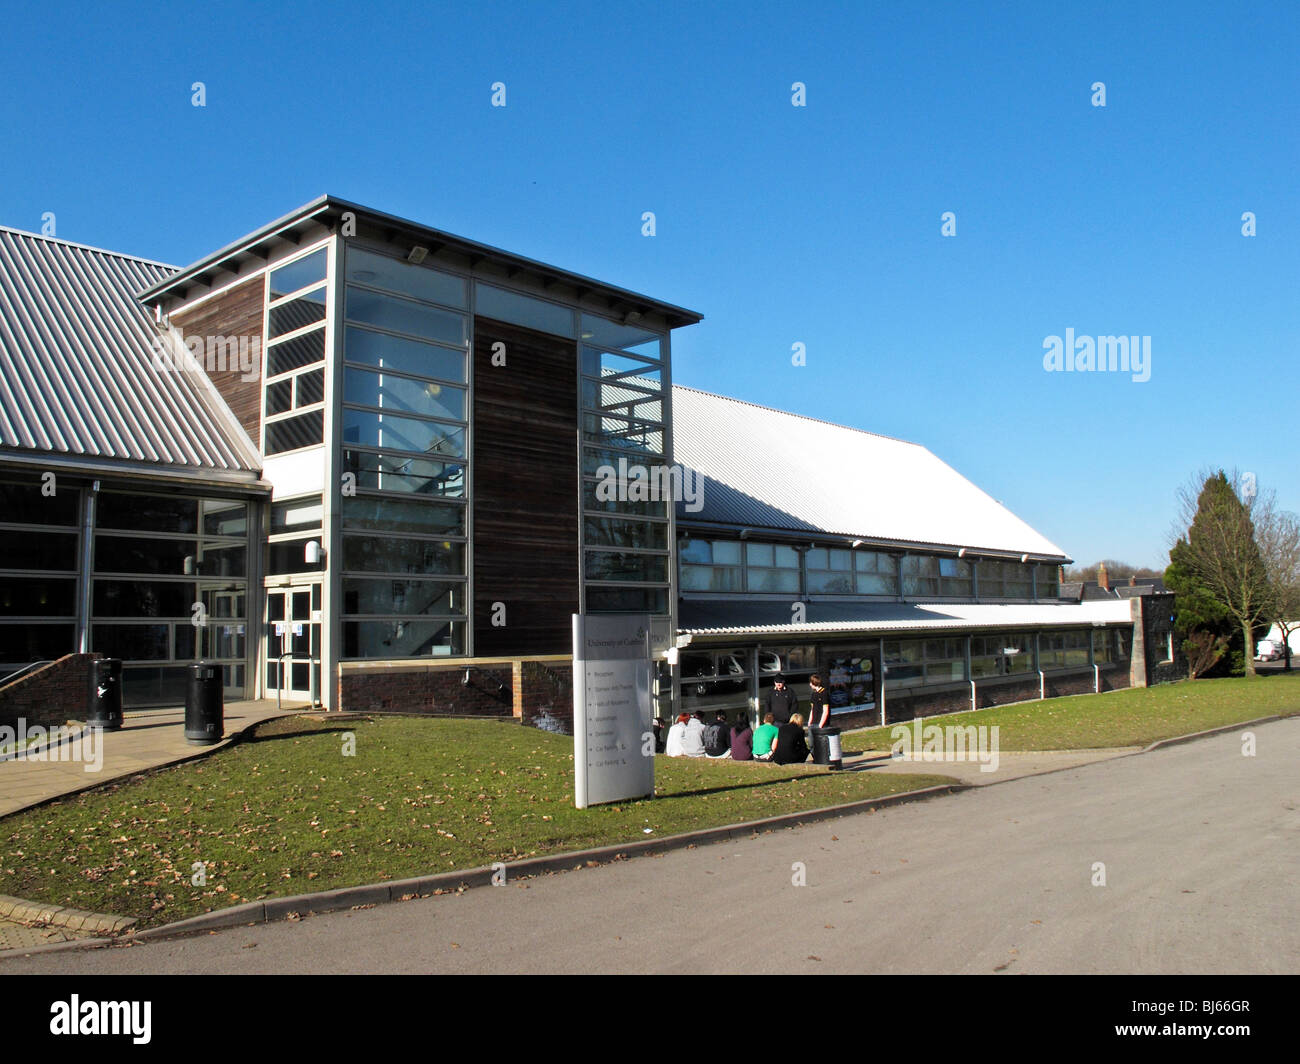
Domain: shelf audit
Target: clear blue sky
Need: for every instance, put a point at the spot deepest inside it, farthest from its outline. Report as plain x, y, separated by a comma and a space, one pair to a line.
818, 225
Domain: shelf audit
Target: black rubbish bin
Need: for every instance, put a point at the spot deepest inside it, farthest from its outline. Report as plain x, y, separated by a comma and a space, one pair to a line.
104, 696
826, 747
204, 711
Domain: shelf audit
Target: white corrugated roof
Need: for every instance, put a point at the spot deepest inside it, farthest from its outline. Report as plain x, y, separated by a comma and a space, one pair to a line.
77, 372
764, 468
903, 617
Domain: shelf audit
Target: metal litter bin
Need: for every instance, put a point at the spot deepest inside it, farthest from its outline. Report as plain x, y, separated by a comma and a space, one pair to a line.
204, 710
104, 696
826, 747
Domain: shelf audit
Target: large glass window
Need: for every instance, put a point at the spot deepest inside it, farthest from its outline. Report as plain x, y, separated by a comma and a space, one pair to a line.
955, 578
623, 465
502, 305
771, 567
921, 576
39, 503
421, 282
1004, 579
400, 315
875, 573
1064, 650
1047, 583
830, 572
294, 382
1002, 654
169, 586
710, 565
408, 395
920, 662
402, 355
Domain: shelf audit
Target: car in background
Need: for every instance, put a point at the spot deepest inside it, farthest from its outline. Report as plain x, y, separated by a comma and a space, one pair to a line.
1268, 650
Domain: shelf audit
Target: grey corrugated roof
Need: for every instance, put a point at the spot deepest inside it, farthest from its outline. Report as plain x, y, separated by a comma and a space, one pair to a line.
766, 469
719, 617
77, 372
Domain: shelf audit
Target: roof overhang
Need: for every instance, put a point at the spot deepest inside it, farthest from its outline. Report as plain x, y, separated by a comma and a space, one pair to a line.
327, 212
898, 619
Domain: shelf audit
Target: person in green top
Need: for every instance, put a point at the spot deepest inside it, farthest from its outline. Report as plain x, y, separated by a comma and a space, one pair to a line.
764, 737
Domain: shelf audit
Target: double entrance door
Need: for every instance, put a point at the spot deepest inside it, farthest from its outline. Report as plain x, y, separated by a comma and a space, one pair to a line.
293, 646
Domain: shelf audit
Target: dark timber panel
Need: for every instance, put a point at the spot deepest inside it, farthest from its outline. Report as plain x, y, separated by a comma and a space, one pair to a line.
236, 312
525, 476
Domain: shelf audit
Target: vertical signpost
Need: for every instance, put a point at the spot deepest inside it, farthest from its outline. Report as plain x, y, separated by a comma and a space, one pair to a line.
611, 708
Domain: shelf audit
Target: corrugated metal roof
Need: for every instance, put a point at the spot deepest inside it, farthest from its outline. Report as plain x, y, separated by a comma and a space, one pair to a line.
764, 468
721, 617
77, 372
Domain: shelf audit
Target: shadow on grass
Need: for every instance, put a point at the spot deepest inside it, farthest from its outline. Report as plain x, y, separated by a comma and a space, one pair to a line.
260, 737
740, 786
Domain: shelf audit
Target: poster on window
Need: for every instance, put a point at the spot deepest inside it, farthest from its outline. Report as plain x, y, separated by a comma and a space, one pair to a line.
850, 681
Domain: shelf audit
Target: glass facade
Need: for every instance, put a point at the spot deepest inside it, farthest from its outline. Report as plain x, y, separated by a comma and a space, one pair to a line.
170, 586
294, 377
627, 486
39, 550
404, 435
919, 662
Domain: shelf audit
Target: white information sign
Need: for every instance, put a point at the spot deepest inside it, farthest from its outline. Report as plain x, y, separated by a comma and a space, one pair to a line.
612, 708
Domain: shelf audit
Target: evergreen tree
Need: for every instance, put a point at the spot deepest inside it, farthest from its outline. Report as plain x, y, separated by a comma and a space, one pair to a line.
1217, 570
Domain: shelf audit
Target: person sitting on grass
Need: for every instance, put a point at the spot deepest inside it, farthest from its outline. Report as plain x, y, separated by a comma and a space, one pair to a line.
673, 744
790, 748
717, 737
693, 737
764, 736
742, 740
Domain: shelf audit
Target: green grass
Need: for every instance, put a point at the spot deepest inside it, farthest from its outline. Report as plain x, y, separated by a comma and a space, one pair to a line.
287, 813
1120, 718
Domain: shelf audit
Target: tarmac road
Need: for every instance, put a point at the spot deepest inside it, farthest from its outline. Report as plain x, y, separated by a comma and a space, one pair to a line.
1201, 847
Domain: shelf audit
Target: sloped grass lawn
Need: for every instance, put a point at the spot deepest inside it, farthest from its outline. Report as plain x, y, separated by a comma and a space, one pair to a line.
1134, 717
287, 813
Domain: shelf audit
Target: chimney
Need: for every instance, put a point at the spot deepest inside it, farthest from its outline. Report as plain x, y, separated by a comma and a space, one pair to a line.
1103, 581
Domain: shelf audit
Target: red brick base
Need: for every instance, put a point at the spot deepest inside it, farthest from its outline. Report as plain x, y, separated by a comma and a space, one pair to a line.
51, 695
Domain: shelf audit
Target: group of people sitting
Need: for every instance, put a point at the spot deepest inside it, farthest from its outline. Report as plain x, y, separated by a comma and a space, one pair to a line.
690, 736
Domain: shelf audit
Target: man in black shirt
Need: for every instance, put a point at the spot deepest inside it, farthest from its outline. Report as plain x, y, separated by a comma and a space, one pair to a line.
717, 736
781, 701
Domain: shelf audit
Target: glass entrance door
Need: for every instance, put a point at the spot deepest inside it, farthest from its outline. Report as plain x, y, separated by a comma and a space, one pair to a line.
293, 643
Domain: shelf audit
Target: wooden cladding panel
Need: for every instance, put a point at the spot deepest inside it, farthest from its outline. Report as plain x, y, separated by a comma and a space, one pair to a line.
525, 490
237, 312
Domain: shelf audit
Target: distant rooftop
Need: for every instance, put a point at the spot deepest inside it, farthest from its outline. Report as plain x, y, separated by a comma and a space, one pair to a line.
765, 469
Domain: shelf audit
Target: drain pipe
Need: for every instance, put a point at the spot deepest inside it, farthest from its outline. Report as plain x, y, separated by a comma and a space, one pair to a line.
87, 548
1042, 685
1096, 679
972, 694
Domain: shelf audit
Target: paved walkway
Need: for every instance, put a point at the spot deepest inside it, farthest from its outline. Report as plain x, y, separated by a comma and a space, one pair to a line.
148, 738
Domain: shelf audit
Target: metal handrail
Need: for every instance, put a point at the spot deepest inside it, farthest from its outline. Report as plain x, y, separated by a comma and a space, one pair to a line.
26, 668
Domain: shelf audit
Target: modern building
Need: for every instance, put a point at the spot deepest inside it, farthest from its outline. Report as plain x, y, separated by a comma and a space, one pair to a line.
366, 464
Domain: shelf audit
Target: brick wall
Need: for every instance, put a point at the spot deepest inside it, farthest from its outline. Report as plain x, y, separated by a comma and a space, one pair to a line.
51, 695
1157, 612
436, 690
